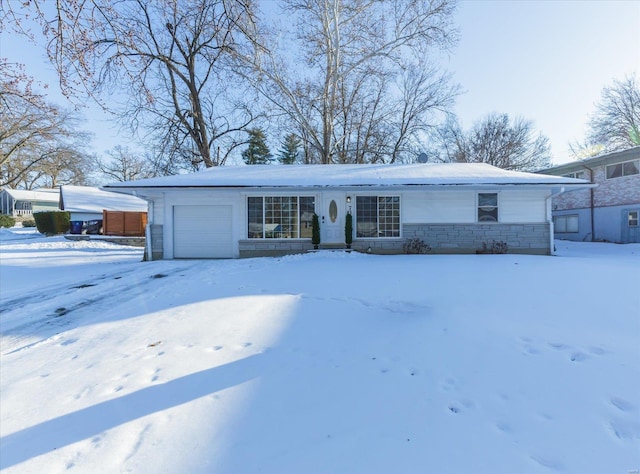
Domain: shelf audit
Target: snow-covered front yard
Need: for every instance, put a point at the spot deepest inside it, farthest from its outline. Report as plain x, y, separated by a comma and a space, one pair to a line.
324, 362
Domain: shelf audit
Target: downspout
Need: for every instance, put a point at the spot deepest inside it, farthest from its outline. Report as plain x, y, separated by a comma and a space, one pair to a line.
147, 231
591, 205
552, 247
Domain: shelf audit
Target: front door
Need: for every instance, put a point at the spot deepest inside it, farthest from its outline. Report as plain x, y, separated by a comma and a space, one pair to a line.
332, 218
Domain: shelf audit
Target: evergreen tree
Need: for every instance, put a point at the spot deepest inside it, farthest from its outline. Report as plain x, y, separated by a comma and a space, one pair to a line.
288, 153
257, 153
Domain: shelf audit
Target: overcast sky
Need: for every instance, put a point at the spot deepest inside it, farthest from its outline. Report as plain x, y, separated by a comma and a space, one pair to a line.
546, 61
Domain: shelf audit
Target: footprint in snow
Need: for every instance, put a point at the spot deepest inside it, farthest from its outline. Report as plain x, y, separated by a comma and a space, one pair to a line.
503, 426
531, 350
546, 416
547, 462
155, 375
595, 350
448, 385
622, 405
625, 430
558, 346
578, 357
457, 407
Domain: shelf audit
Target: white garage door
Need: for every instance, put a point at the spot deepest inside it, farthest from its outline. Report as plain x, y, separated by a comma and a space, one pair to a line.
202, 232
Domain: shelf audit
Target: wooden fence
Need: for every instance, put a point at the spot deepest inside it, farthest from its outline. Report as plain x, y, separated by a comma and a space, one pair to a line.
124, 223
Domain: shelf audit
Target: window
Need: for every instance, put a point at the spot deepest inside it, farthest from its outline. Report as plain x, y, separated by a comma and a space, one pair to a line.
487, 207
377, 216
575, 174
280, 217
566, 224
633, 218
627, 168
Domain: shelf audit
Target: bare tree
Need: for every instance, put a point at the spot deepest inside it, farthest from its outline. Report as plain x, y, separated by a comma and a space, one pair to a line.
582, 150
616, 121
345, 100
168, 62
497, 141
423, 92
67, 163
40, 144
124, 165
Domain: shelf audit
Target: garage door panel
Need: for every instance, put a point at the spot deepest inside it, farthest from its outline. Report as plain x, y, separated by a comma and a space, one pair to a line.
202, 231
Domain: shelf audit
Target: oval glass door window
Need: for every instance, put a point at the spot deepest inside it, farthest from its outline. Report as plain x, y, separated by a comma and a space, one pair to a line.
333, 211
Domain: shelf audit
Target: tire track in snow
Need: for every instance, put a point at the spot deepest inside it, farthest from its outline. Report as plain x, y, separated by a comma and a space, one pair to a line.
48, 318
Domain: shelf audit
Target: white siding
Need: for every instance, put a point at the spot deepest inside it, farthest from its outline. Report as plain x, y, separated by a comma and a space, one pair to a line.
522, 206
439, 207
158, 209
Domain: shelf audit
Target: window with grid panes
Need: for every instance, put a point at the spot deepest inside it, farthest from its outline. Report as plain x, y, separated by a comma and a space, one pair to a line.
377, 216
279, 217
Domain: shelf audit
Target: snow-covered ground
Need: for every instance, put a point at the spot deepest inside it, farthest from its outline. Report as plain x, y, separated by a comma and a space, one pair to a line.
323, 362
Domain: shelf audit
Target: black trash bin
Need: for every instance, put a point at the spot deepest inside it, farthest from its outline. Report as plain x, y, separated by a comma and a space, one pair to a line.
76, 227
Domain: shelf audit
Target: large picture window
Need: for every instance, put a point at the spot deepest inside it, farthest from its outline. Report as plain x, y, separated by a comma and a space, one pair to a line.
566, 224
280, 217
627, 168
377, 216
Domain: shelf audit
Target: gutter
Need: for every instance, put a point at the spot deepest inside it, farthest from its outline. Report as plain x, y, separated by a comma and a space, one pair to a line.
142, 191
592, 202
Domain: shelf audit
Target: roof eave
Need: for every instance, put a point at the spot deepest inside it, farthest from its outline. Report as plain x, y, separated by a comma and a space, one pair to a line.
134, 190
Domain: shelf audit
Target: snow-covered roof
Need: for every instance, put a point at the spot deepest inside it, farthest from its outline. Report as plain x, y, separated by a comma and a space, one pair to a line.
349, 175
94, 200
604, 159
43, 194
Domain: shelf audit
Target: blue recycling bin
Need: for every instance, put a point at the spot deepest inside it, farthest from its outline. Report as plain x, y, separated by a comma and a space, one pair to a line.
76, 227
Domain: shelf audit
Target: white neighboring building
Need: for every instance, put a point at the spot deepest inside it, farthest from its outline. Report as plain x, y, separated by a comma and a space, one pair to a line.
86, 203
243, 211
23, 203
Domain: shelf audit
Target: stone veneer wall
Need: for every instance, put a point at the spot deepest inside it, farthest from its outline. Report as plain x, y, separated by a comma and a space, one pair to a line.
465, 238
443, 238
264, 248
157, 247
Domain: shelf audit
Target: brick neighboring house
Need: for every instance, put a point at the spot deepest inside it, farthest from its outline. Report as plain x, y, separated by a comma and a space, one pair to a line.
610, 211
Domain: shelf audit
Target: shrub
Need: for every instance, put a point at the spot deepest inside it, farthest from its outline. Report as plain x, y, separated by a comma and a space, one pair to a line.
28, 223
315, 230
7, 221
495, 246
416, 246
348, 230
52, 222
